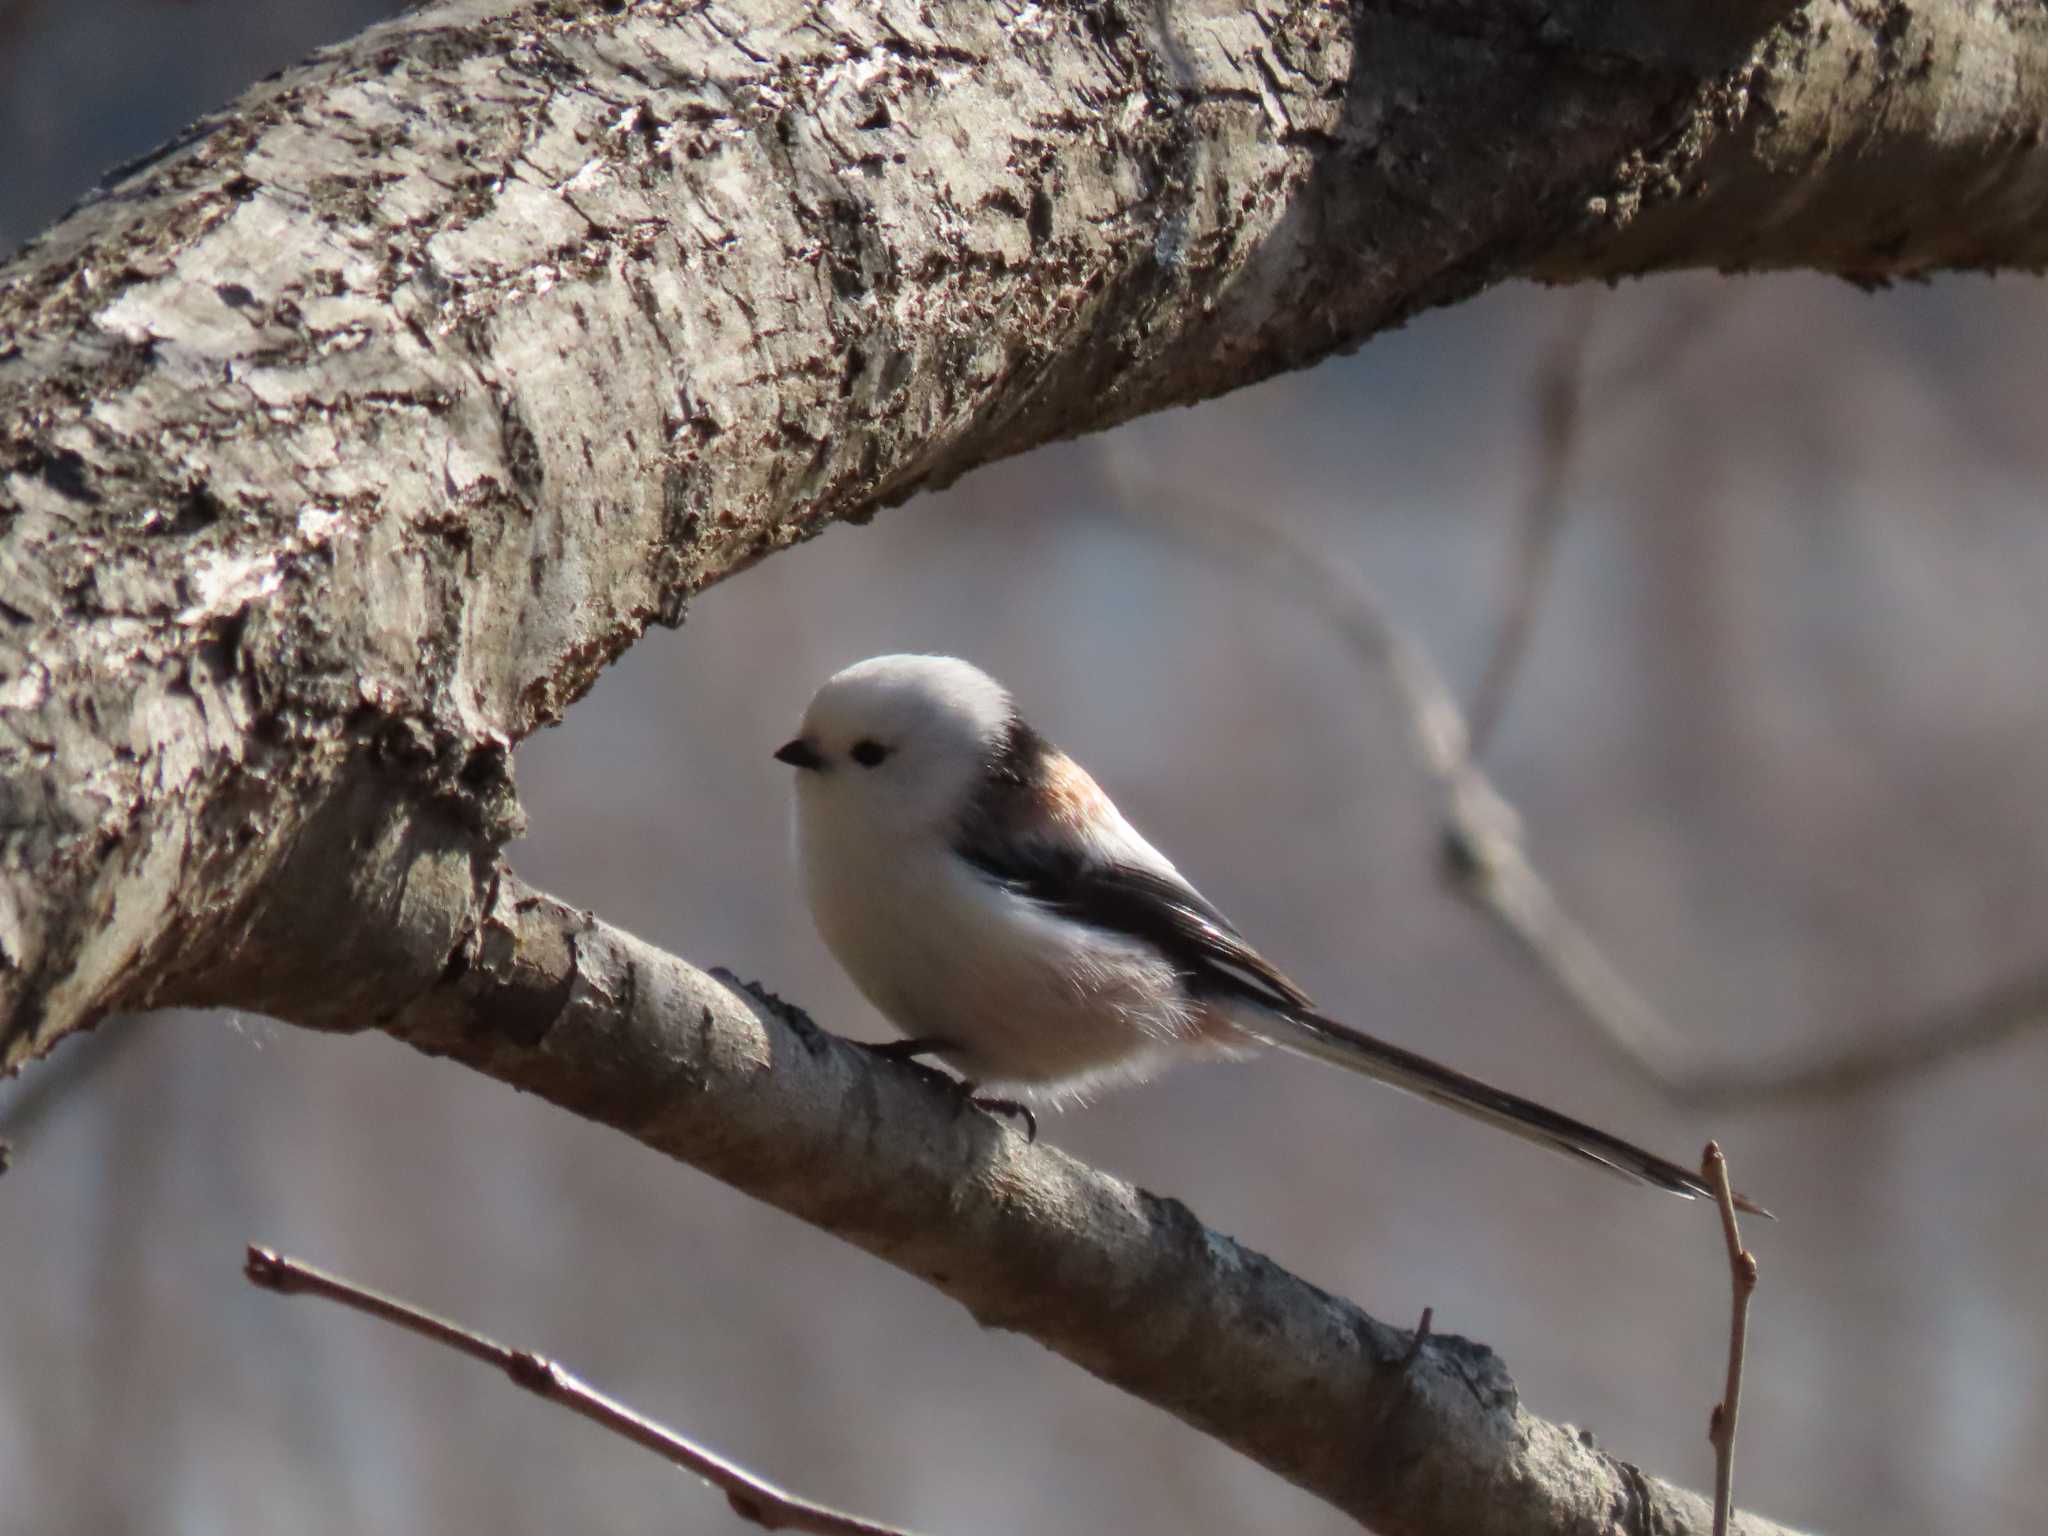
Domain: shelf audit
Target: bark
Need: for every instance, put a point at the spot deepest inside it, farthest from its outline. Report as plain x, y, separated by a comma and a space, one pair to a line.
345, 439
725, 1076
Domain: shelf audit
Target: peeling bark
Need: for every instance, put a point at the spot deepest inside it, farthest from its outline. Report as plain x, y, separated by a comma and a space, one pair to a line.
1873, 141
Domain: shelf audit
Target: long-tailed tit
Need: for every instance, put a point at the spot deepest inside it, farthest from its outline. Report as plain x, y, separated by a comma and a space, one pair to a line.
991, 901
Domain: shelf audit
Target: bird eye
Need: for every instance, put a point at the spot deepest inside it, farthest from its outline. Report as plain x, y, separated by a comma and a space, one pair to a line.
868, 753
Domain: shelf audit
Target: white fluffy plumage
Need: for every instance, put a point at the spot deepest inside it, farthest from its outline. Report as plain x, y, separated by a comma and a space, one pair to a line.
1031, 1003
991, 901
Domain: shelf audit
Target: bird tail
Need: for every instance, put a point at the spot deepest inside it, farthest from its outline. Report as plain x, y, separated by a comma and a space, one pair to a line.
1305, 1033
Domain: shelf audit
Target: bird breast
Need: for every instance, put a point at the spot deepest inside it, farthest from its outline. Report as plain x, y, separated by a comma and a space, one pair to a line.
1031, 998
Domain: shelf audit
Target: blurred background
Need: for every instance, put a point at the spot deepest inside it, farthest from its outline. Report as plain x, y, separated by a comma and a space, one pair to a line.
1780, 739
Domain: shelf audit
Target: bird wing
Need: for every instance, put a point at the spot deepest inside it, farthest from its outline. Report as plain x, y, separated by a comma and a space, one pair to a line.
1049, 834
1044, 830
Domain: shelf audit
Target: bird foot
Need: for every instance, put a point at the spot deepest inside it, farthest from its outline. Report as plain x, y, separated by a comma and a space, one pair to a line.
988, 1104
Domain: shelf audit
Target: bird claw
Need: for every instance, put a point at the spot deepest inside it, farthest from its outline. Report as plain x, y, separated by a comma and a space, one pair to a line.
909, 1050
1013, 1109
988, 1104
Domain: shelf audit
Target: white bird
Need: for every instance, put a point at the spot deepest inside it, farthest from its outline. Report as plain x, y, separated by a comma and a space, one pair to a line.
994, 904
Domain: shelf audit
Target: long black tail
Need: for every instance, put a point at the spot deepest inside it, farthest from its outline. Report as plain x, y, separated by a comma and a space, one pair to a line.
1325, 1039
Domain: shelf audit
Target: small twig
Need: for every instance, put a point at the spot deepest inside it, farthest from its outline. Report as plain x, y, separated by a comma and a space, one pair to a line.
1564, 384
1560, 395
1419, 1339
1406, 1386
751, 1497
1742, 1282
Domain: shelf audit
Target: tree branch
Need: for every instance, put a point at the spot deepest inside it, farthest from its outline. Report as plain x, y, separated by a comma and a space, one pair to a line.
1128, 1285
1559, 389
753, 1499
1484, 855
344, 439
1859, 96
1880, 1054
1488, 862
1742, 1285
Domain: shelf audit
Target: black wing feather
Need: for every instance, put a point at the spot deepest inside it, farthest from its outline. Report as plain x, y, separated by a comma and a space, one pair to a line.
1144, 904
1158, 908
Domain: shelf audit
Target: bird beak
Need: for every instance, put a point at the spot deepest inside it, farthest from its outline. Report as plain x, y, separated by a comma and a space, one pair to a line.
799, 754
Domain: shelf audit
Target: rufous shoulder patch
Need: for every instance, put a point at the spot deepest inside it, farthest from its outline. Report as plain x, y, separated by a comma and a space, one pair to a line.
1071, 797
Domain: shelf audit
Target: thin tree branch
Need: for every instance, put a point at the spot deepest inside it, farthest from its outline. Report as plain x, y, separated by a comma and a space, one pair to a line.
752, 1498
1742, 1283
1564, 384
1882, 1055
1559, 392
1484, 853
1488, 861
15, 16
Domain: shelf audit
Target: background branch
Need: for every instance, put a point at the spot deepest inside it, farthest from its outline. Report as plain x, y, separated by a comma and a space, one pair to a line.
1557, 393
27, 1103
752, 1498
1878, 1055
1565, 394
1486, 856
1484, 853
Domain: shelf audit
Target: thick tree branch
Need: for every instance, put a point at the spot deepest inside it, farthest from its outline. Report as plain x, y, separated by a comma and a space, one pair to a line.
344, 440
1873, 142
1128, 1285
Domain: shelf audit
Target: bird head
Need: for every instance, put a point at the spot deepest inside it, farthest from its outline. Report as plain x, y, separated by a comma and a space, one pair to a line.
898, 743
